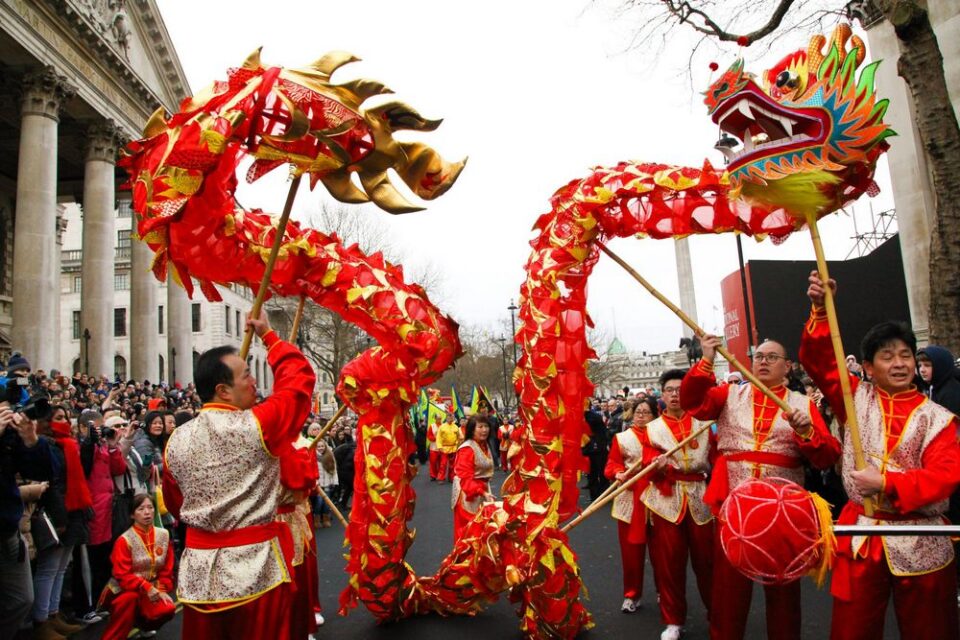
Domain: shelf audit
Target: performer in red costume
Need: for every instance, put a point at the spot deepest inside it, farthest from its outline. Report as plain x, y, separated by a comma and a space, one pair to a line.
631, 515
912, 466
472, 470
138, 592
435, 454
755, 440
221, 479
299, 473
681, 524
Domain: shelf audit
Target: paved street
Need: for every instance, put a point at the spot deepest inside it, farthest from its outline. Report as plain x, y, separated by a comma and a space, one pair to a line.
596, 543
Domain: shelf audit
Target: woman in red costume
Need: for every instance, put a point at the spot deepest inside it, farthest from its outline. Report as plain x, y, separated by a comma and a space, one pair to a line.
137, 595
472, 469
630, 513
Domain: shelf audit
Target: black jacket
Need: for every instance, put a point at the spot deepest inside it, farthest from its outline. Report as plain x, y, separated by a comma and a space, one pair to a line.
944, 386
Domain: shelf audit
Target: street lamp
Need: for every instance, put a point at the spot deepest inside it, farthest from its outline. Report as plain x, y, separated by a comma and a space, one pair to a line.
86, 351
173, 365
506, 385
513, 329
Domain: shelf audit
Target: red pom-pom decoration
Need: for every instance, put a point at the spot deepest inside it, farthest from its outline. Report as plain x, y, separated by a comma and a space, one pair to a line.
743, 41
714, 66
771, 531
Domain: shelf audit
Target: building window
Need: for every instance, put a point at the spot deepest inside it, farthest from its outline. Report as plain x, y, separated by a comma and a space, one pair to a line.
121, 281
195, 316
124, 239
119, 322
161, 375
76, 325
228, 316
76, 365
120, 367
160, 323
124, 209
77, 284
237, 325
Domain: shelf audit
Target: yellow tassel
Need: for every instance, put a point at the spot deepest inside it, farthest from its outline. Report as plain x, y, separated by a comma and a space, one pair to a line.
828, 542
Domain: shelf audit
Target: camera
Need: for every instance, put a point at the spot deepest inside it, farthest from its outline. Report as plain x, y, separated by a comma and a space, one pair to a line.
108, 432
37, 407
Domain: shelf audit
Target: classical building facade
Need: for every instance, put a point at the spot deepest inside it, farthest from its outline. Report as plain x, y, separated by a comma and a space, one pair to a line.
623, 368
79, 79
209, 324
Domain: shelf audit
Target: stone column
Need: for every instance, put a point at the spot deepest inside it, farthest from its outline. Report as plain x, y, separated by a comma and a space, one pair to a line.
144, 325
688, 298
99, 240
179, 334
36, 277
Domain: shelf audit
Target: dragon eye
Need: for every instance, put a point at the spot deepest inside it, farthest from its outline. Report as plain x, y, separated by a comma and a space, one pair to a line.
787, 79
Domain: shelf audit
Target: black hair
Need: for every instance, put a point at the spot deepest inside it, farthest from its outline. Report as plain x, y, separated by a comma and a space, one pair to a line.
182, 417
786, 354
138, 500
472, 425
671, 374
883, 335
210, 371
651, 402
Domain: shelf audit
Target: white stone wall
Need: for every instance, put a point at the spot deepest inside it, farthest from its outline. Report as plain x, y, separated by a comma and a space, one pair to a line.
212, 314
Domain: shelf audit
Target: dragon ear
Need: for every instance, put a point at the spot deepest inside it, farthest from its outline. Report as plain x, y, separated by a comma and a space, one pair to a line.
253, 60
400, 116
384, 194
332, 61
364, 89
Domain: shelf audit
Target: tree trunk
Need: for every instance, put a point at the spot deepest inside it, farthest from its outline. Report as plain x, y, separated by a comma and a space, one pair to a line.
921, 67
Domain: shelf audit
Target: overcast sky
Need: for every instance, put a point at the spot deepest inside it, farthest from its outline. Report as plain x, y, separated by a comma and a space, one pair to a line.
535, 92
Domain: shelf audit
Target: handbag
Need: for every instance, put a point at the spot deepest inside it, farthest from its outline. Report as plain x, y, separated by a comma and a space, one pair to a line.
42, 531
122, 502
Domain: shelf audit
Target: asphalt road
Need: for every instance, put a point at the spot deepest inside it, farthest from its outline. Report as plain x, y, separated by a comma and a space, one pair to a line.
595, 541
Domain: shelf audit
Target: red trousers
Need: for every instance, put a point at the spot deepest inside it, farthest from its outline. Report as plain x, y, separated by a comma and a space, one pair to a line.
435, 464
670, 545
445, 472
313, 579
302, 622
631, 556
130, 608
265, 618
503, 460
730, 603
926, 605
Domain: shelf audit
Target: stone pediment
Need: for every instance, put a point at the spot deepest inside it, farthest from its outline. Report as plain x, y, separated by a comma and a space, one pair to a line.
134, 33
117, 53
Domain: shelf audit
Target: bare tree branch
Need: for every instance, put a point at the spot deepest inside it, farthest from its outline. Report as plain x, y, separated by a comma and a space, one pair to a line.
699, 20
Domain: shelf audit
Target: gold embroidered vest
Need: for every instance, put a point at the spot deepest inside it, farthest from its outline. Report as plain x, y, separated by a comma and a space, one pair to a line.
141, 562
482, 469
906, 555
632, 451
735, 433
687, 460
228, 480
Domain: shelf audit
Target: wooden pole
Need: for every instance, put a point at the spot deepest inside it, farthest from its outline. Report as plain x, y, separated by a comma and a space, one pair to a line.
268, 270
747, 373
329, 425
333, 507
838, 354
597, 504
295, 329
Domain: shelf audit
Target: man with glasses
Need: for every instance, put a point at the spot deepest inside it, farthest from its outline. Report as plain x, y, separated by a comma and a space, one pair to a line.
755, 439
681, 524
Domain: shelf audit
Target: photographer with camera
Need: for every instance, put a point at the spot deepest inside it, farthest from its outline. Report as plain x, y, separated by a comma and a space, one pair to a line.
102, 462
23, 453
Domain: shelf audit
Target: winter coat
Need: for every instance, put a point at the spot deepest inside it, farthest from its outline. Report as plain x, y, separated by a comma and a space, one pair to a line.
107, 463
944, 386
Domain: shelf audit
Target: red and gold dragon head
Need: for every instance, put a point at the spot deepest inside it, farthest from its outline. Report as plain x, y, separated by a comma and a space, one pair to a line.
805, 136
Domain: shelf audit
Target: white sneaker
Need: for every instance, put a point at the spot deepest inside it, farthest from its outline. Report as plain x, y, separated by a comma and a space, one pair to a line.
91, 618
672, 632
629, 605
148, 634
319, 619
